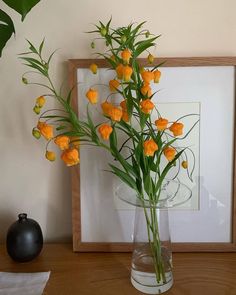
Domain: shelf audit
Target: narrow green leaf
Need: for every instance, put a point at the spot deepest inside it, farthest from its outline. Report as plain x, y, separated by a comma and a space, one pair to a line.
92, 127
124, 177
32, 48
41, 46
33, 61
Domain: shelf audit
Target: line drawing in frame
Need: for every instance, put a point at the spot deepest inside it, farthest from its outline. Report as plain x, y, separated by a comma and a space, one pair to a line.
211, 66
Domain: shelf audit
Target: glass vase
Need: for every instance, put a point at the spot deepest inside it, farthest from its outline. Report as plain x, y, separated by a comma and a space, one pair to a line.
151, 270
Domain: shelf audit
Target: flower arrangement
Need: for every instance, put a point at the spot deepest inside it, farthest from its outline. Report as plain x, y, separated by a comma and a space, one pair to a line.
149, 143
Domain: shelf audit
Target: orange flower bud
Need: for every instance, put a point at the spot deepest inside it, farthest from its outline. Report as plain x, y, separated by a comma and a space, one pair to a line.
169, 153
147, 76
70, 157
106, 107
161, 124
62, 141
150, 58
125, 116
147, 106
126, 55
127, 72
93, 68
119, 71
123, 105
74, 140
113, 57
150, 147
50, 156
146, 90
105, 130
45, 130
157, 76
92, 95
177, 128
114, 84
40, 101
115, 114
184, 164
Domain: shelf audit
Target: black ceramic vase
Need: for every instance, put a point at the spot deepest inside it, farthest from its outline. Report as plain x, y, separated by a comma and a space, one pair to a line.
24, 239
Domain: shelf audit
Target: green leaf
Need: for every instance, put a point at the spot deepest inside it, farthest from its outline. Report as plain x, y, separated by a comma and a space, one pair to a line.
92, 128
124, 177
41, 46
166, 169
129, 103
148, 184
60, 128
32, 48
113, 145
33, 61
143, 45
135, 31
21, 6
6, 29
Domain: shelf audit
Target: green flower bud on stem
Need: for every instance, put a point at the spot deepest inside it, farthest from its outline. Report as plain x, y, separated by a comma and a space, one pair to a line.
92, 45
24, 80
36, 109
147, 34
123, 39
103, 32
36, 133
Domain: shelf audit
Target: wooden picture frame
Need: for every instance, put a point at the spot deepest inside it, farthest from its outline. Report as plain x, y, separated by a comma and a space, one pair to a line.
78, 245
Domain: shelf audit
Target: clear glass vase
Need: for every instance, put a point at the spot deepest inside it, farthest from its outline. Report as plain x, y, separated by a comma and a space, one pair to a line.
151, 270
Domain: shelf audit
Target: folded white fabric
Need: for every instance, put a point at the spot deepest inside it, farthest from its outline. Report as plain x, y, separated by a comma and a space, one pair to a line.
23, 283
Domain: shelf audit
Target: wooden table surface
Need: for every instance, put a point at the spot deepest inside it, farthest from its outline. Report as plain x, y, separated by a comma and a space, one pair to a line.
109, 273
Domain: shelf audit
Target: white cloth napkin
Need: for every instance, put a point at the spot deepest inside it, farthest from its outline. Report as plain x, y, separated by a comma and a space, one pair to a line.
23, 283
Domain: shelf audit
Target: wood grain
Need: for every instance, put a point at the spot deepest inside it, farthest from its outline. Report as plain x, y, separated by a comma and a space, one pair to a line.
78, 245
167, 62
109, 273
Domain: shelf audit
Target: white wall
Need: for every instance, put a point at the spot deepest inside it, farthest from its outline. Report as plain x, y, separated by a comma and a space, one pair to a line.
28, 183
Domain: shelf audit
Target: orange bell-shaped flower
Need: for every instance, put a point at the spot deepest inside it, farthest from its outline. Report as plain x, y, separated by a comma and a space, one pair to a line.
126, 55
161, 124
177, 128
62, 141
105, 130
45, 130
70, 157
92, 95
147, 106
169, 153
150, 147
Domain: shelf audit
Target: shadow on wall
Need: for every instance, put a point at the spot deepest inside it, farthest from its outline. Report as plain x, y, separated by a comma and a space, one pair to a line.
6, 220
58, 227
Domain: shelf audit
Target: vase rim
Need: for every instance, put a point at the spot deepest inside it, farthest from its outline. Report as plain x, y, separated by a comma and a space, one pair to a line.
173, 194
22, 216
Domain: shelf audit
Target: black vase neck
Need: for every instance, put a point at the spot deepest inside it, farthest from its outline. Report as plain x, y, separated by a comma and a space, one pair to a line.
22, 217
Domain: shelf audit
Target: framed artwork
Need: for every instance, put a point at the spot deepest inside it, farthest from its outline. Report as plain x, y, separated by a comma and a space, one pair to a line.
203, 86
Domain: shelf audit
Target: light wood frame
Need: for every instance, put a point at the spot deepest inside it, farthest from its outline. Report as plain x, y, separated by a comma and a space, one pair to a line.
78, 245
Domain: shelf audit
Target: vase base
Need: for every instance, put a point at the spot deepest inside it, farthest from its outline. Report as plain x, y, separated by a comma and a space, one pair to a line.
146, 282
